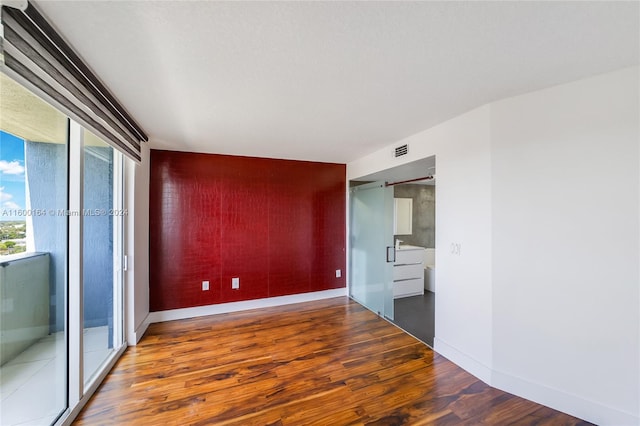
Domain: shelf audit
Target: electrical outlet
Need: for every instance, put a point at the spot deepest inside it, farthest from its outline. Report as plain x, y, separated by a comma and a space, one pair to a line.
235, 283
205, 285
338, 273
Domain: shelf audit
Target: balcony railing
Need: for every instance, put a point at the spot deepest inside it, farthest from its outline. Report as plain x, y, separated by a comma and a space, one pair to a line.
24, 302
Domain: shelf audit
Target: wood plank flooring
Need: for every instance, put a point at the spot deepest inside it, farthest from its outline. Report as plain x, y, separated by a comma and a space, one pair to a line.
330, 362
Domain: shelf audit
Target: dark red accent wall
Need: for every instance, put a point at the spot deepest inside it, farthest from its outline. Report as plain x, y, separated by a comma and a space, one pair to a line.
278, 225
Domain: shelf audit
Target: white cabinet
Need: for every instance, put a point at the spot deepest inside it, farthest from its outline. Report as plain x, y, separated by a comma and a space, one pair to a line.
408, 272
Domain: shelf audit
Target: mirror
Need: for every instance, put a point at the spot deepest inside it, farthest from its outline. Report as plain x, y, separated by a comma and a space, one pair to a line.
402, 216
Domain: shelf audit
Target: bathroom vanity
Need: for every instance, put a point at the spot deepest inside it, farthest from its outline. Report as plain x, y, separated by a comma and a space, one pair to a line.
408, 271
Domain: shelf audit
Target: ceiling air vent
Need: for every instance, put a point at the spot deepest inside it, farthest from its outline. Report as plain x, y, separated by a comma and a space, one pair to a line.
402, 150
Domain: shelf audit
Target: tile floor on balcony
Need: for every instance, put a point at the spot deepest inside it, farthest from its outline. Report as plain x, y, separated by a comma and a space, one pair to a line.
33, 384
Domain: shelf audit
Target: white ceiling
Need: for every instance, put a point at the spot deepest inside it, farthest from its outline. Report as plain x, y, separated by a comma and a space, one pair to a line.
332, 81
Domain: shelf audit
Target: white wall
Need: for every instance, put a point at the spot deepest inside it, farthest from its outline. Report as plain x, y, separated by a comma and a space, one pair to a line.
137, 247
541, 191
463, 222
565, 245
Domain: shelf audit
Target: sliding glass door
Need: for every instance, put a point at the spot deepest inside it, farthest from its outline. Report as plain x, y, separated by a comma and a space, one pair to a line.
61, 239
33, 258
372, 249
101, 242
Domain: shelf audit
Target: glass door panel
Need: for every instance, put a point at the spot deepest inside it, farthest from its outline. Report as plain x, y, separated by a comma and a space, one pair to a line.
33, 258
101, 255
372, 250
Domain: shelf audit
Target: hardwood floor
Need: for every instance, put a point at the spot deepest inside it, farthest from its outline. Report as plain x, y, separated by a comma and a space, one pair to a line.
330, 362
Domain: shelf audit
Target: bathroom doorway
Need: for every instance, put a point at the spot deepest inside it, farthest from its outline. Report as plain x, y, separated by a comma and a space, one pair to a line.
414, 286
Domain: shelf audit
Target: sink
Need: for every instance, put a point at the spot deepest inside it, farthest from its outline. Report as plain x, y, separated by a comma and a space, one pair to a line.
410, 247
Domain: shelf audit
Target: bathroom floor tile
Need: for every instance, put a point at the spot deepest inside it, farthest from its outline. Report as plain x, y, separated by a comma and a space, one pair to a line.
416, 315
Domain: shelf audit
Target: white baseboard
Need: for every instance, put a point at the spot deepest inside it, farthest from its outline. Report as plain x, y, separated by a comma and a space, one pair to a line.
142, 328
462, 360
223, 308
558, 400
574, 405
133, 337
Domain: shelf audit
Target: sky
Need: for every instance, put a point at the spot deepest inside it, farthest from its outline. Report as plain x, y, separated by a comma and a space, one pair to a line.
12, 183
